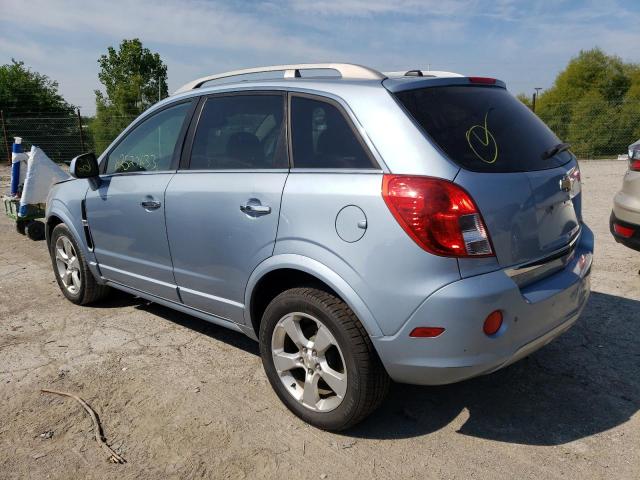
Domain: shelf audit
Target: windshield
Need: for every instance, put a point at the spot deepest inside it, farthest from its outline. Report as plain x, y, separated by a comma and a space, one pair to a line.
484, 129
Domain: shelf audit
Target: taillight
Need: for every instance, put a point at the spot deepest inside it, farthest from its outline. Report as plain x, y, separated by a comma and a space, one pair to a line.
625, 232
575, 174
438, 215
634, 158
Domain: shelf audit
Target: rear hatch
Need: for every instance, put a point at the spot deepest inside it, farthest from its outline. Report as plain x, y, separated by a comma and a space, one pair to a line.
525, 182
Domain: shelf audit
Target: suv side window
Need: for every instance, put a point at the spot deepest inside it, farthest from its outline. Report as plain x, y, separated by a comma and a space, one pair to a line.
149, 146
321, 137
240, 132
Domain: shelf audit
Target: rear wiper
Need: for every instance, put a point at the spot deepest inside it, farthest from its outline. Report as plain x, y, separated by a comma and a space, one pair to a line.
561, 147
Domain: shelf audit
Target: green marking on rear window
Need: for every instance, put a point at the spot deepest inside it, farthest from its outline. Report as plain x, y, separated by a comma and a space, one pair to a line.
486, 147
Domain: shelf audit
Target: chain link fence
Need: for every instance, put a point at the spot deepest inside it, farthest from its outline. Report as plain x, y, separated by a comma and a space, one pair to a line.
60, 137
594, 129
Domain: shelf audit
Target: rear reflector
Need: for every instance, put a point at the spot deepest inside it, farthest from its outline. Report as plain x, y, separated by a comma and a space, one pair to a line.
438, 215
492, 323
426, 332
625, 232
484, 80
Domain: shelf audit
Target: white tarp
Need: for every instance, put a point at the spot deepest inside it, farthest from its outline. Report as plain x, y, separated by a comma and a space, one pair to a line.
42, 172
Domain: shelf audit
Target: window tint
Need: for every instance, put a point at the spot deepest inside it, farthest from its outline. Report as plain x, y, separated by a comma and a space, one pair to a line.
150, 145
322, 138
484, 129
240, 132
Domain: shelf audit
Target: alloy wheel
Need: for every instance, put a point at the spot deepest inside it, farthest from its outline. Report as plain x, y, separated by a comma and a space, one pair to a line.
68, 265
309, 362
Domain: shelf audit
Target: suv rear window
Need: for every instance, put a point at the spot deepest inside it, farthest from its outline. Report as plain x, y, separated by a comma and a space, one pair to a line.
484, 129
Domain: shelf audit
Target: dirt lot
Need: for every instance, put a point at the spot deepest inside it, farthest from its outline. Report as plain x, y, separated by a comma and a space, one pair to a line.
182, 398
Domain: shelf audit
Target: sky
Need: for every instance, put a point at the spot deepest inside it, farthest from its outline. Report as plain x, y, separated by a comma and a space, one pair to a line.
525, 43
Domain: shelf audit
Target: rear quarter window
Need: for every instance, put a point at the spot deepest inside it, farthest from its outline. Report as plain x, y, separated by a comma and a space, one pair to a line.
483, 129
321, 137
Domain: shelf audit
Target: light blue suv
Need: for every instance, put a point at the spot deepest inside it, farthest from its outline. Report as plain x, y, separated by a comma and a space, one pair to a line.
423, 227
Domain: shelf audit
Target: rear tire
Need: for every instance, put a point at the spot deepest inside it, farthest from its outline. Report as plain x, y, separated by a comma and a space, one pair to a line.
70, 267
346, 379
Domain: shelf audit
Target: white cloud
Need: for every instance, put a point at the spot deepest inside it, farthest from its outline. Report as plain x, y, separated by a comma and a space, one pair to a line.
370, 7
186, 23
524, 42
73, 67
78, 32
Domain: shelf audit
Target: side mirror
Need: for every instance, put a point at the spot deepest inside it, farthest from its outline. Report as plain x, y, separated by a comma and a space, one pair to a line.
84, 166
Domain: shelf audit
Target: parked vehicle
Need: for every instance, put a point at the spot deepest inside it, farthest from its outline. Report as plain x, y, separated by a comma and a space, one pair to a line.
423, 227
624, 222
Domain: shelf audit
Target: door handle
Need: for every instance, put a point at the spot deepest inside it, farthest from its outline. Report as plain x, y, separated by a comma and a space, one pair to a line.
150, 204
254, 210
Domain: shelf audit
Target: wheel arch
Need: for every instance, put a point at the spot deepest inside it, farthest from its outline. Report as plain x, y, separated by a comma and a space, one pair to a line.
58, 213
53, 220
282, 272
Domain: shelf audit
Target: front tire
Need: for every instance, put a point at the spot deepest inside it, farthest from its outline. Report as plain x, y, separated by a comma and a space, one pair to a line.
320, 360
74, 278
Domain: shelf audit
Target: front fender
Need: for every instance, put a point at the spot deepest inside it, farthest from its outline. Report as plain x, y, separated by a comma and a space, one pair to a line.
321, 272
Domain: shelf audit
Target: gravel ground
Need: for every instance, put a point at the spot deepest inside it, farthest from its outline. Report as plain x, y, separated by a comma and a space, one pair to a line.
182, 398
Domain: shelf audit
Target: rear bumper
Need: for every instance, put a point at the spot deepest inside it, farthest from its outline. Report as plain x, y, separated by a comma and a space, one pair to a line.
626, 202
533, 316
633, 241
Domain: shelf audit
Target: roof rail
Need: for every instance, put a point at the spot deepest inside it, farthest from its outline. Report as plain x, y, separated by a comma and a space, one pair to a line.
346, 70
422, 73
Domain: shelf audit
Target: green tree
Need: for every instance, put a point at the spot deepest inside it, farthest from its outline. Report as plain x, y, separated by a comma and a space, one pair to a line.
134, 78
594, 103
590, 131
34, 110
629, 114
525, 99
24, 92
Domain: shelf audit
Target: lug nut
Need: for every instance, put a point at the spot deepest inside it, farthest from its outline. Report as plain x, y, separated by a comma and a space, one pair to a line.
310, 372
313, 353
317, 366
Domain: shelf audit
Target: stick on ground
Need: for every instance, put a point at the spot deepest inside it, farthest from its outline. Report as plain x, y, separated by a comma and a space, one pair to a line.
97, 428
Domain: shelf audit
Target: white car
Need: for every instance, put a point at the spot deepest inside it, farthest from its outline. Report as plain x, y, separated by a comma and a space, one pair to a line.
625, 217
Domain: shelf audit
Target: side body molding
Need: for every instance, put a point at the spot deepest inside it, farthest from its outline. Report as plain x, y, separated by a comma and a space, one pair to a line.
321, 272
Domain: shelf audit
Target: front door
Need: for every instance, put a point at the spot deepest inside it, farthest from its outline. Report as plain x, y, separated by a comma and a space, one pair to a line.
222, 210
126, 212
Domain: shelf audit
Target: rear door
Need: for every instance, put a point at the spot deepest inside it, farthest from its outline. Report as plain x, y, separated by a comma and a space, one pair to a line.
525, 184
126, 214
222, 207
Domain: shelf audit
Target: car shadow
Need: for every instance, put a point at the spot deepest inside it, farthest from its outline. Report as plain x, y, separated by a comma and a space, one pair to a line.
585, 382
119, 299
